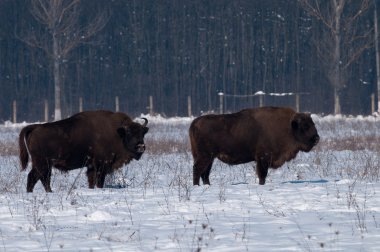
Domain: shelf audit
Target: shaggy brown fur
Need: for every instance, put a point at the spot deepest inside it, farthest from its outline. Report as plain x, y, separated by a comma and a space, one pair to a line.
102, 141
269, 135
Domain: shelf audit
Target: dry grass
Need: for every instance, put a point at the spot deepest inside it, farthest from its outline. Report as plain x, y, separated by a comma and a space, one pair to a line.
167, 146
167, 138
8, 148
352, 143
9, 141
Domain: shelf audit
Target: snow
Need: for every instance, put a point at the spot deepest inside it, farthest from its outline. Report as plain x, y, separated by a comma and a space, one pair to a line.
333, 206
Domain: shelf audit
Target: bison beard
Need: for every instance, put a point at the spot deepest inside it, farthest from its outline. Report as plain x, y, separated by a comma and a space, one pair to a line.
102, 141
269, 135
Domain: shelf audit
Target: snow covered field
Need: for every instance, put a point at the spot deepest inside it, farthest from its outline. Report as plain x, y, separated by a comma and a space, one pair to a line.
325, 200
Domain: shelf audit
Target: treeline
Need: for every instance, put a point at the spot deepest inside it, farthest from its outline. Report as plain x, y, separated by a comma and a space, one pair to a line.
174, 49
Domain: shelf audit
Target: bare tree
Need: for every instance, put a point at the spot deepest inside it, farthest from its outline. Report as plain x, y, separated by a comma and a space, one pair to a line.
63, 32
342, 40
377, 56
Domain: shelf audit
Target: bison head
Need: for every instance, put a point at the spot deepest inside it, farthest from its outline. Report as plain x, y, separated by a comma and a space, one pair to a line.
133, 137
304, 131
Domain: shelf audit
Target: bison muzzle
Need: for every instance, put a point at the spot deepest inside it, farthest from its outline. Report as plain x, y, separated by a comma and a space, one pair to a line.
102, 141
269, 135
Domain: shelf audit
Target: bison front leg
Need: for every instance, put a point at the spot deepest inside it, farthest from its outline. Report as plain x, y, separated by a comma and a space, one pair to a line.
202, 168
100, 178
96, 176
262, 168
91, 177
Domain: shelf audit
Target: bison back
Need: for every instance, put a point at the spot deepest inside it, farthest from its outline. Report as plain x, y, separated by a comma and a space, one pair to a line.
223, 136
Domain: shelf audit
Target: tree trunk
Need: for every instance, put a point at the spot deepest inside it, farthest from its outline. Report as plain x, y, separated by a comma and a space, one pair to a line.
336, 73
337, 109
57, 80
377, 58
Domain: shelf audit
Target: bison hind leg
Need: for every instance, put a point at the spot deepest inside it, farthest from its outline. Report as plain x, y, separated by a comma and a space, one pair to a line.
35, 175
206, 175
33, 178
202, 169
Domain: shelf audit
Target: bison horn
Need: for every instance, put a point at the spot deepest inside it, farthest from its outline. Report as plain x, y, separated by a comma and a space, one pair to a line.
145, 121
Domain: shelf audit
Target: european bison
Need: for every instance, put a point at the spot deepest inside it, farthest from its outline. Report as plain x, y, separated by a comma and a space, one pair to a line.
102, 141
269, 135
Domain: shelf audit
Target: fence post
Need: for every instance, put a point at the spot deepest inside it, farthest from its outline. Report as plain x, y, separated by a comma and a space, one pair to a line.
337, 110
297, 103
189, 105
372, 104
46, 109
151, 105
80, 104
14, 111
220, 102
261, 100
117, 103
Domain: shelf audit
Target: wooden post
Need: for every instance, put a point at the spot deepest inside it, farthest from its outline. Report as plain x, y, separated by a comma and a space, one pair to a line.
261, 100
297, 103
151, 105
337, 104
117, 104
80, 104
189, 106
372, 104
14, 111
46, 109
220, 102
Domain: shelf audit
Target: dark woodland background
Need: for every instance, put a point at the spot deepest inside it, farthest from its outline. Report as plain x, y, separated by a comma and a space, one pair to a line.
178, 48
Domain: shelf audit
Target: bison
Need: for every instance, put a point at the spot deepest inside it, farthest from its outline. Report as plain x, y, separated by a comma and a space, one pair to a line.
268, 135
102, 141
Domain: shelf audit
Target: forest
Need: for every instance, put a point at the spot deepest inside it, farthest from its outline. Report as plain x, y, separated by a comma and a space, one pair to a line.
71, 55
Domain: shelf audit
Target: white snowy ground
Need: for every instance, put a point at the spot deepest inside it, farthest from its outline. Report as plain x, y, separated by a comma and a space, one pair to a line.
160, 210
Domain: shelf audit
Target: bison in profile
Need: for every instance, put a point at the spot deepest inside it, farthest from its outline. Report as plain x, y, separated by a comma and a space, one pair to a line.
269, 135
102, 141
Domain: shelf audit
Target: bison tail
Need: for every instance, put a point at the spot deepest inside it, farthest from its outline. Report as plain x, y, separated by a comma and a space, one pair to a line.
193, 131
22, 142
